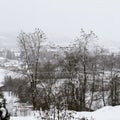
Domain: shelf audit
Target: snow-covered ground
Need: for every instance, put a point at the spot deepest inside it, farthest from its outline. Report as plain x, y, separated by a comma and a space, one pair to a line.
105, 113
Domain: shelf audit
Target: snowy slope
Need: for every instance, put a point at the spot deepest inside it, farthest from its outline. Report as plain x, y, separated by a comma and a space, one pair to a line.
105, 113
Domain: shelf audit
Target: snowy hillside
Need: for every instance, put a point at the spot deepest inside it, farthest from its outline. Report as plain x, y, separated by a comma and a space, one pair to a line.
105, 113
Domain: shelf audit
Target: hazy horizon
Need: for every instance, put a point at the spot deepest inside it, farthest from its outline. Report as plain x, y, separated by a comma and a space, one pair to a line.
61, 20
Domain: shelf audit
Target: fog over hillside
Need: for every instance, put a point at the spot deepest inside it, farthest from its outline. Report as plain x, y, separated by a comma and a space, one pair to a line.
8, 40
60, 59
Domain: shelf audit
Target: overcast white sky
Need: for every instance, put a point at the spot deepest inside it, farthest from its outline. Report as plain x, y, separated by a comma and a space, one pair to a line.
61, 20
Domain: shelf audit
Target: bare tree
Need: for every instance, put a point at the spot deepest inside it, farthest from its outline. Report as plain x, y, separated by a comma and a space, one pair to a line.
77, 65
114, 81
102, 65
94, 74
30, 44
83, 45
